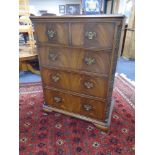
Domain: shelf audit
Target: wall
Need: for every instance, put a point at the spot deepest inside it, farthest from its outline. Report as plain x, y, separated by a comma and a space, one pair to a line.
116, 5
125, 7
129, 45
51, 5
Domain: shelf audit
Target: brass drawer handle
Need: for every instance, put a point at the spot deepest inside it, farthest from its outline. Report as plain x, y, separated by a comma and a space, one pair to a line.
90, 35
89, 60
51, 33
53, 56
55, 78
57, 99
87, 107
88, 84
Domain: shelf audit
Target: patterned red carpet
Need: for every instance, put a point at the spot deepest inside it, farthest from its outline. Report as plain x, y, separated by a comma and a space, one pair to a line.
57, 134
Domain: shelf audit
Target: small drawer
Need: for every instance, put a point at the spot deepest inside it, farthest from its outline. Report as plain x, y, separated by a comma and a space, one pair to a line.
54, 33
93, 35
74, 59
79, 83
75, 104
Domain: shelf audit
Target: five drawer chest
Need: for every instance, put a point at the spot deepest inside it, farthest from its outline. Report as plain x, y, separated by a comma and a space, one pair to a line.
77, 57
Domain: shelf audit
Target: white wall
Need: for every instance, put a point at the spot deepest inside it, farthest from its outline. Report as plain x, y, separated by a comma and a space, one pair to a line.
51, 5
125, 8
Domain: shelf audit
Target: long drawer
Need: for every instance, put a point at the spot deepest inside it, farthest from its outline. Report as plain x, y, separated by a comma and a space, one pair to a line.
80, 83
76, 59
75, 104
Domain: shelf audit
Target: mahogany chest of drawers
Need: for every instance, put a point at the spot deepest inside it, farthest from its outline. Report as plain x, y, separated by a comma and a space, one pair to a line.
77, 56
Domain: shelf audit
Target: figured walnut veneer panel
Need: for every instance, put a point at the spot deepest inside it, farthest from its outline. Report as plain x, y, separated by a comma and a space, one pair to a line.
60, 31
84, 60
89, 85
75, 104
101, 37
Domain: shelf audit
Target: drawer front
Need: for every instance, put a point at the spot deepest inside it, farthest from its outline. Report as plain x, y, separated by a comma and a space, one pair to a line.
75, 82
55, 33
89, 35
71, 103
74, 59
